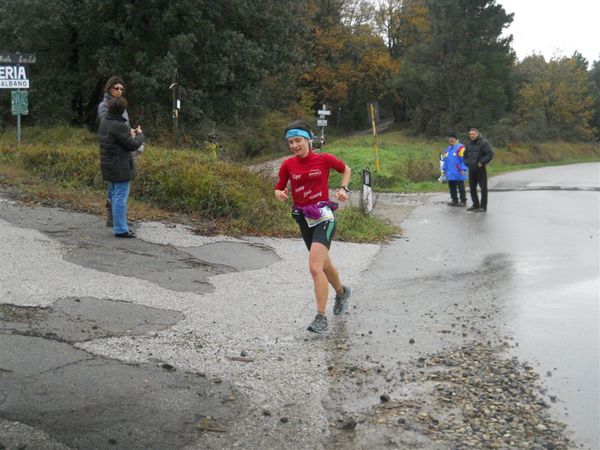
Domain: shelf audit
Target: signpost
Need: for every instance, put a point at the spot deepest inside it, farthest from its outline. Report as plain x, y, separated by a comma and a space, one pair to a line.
322, 121
20, 106
14, 76
367, 192
442, 177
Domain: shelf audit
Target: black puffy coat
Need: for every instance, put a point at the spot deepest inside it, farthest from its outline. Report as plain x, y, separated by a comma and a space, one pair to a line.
478, 151
116, 147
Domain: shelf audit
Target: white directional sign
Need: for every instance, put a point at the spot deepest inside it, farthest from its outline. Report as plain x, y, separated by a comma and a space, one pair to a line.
17, 58
322, 123
13, 77
324, 112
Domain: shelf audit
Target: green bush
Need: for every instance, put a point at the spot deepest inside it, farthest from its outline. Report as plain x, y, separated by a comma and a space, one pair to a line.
178, 180
258, 136
418, 168
185, 181
545, 153
355, 225
63, 164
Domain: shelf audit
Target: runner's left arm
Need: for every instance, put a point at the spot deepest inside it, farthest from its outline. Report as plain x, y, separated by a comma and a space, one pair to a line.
346, 176
342, 194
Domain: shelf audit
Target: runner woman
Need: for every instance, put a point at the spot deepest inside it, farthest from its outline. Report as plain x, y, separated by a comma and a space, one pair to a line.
308, 174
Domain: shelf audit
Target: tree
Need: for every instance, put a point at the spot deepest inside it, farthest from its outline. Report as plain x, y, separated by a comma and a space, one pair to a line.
404, 24
456, 65
557, 92
349, 62
595, 92
227, 53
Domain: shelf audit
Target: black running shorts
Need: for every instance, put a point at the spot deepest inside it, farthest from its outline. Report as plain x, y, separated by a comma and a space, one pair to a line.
321, 233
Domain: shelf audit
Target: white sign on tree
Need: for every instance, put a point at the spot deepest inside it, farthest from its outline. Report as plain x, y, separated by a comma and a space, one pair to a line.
13, 77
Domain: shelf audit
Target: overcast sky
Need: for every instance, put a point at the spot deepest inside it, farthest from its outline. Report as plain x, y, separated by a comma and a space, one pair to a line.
555, 27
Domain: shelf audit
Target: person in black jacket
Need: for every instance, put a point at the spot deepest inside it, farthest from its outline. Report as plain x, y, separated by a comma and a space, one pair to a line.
478, 154
116, 160
114, 87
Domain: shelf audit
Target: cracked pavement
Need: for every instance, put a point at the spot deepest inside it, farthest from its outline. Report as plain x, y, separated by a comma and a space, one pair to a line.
176, 340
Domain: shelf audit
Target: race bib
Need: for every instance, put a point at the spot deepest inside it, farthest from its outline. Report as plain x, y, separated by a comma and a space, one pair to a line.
326, 214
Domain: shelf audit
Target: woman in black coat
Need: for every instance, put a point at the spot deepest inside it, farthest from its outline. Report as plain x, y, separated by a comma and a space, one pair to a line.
114, 87
116, 160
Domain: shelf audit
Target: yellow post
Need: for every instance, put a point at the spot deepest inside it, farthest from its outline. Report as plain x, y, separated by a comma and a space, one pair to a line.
377, 165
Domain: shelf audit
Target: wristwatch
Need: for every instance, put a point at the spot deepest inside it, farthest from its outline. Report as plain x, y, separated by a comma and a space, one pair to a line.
344, 188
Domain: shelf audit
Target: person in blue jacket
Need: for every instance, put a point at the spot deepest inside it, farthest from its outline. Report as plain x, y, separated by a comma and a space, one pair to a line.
455, 170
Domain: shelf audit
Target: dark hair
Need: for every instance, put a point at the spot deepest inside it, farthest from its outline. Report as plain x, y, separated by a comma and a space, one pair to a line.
115, 79
474, 129
298, 124
452, 134
117, 106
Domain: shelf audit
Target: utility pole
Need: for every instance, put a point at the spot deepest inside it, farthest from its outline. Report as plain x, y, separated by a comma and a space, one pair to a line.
176, 104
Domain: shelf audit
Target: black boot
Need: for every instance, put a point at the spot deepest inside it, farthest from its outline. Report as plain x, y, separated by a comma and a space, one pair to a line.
109, 219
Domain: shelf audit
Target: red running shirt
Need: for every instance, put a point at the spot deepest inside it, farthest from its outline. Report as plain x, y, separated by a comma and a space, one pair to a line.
309, 177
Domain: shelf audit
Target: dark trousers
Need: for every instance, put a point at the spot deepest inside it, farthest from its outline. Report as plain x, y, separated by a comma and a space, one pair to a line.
460, 186
478, 176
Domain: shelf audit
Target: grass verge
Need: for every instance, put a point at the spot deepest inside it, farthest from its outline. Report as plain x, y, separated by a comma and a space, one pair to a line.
60, 166
411, 164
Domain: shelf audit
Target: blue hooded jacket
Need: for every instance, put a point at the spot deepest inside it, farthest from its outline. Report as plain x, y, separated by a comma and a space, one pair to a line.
454, 166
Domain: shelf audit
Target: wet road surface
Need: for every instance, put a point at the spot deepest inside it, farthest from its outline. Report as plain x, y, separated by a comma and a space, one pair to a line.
525, 274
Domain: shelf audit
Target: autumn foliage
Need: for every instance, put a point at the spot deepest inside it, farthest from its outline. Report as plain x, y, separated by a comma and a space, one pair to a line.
432, 65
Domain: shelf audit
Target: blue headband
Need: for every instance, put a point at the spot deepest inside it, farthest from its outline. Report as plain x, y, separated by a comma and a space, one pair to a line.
297, 132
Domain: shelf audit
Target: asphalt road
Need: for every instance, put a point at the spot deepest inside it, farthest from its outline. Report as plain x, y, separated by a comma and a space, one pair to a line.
529, 268
209, 333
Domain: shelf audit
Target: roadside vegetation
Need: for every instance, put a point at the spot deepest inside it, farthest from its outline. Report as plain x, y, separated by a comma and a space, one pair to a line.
411, 164
60, 166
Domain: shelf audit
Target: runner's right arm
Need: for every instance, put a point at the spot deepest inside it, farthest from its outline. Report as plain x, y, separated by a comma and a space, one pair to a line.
281, 192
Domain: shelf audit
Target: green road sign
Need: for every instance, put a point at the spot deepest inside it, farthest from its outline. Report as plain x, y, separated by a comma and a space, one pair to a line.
19, 102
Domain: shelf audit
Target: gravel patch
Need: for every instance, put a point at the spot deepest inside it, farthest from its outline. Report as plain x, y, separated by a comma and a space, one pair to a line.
478, 399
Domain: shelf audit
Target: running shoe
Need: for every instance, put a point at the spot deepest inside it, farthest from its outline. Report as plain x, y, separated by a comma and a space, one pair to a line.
341, 302
319, 324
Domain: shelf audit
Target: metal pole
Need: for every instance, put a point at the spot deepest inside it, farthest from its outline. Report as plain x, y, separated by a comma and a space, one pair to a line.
175, 124
175, 88
18, 115
323, 130
18, 130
